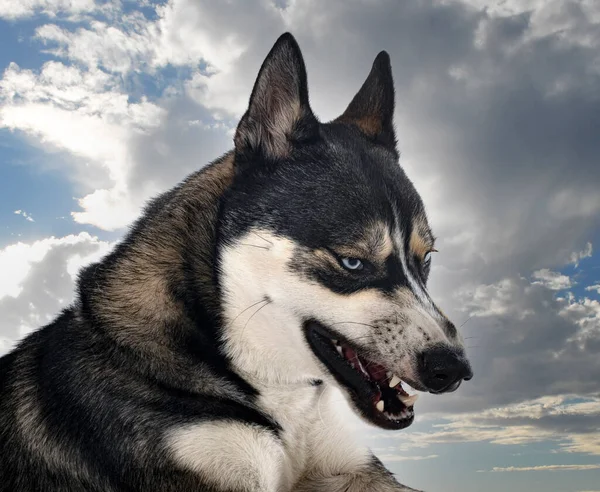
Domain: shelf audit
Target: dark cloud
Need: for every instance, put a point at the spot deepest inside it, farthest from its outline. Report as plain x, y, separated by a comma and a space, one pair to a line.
187, 139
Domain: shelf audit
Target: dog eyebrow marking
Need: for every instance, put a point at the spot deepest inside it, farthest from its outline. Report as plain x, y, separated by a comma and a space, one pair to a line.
375, 244
421, 240
417, 288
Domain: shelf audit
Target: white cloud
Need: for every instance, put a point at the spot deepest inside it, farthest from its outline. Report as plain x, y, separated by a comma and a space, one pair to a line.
543, 407
544, 468
552, 280
523, 423
577, 256
15, 9
593, 287
82, 113
502, 298
38, 280
17, 260
27, 216
102, 46
585, 313
184, 34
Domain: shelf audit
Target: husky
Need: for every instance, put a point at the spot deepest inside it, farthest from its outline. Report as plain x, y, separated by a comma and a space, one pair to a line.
217, 346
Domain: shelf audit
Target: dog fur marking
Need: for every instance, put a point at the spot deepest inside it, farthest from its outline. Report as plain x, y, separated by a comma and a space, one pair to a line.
230, 455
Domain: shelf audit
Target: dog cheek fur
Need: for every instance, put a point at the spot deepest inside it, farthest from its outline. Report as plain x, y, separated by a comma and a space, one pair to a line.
266, 299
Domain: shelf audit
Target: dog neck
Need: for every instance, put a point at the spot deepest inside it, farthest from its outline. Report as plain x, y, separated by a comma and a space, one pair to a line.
160, 278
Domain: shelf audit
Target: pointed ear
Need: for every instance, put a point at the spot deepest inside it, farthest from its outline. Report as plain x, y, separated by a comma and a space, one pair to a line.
372, 109
279, 111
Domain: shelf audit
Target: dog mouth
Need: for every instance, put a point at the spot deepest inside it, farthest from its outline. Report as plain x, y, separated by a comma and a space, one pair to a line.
379, 395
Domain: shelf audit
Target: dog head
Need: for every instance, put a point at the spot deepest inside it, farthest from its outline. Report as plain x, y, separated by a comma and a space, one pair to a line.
324, 249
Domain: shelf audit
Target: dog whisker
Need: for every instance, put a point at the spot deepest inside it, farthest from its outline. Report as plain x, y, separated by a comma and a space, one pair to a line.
353, 323
254, 245
254, 314
319, 408
265, 240
242, 312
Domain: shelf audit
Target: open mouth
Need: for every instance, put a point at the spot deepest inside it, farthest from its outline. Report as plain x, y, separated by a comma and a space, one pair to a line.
378, 394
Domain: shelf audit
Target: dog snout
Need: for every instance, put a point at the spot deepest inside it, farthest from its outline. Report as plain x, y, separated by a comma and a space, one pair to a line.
442, 369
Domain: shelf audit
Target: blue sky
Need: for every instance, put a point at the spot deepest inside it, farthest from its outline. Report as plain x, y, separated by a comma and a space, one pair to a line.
103, 105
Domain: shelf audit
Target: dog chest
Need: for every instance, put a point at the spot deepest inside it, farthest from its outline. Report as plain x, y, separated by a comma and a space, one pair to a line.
299, 410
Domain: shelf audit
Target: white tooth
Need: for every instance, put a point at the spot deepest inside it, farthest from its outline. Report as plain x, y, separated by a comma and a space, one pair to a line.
339, 349
380, 405
409, 401
394, 381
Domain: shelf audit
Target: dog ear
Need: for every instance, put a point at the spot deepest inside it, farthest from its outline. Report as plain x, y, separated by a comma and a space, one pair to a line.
372, 109
279, 111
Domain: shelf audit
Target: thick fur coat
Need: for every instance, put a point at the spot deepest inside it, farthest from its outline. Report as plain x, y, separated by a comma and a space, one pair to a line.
213, 348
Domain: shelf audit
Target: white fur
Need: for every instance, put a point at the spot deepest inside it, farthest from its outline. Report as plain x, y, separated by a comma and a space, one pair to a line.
238, 456
231, 455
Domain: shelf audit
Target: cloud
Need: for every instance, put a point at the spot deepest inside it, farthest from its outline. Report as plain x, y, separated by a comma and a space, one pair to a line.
552, 280
122, 151
183, 33
536, 366
543, 468
577, 256
27, 216
593, 288
496, 115
73, 9
478, 59
38, 280
570, 422
85, 115
393, 457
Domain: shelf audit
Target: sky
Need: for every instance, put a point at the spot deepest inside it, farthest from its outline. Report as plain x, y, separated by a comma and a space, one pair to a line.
103, 105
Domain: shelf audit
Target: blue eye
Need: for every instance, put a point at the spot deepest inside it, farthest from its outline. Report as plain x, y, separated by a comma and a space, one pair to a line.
352, 264
427, 258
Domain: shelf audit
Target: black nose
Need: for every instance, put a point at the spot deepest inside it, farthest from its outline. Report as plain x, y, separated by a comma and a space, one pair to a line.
442, 369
